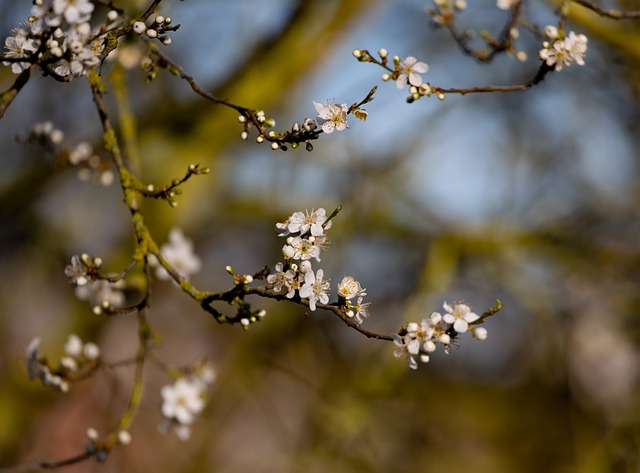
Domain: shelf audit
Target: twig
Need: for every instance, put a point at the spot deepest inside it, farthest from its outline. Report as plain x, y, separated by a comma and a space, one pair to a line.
37, 466
613, 14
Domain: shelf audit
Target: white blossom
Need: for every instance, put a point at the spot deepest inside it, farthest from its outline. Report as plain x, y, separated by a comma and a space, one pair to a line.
349, 288
77, 271
460, 316
408, 347
19, 46
74, 11
101, 293
335, 116
410, 70
506, 4
360, 310
179, 253
299, 248
278, 279
564, 51
315, 288
182, 401
312, 221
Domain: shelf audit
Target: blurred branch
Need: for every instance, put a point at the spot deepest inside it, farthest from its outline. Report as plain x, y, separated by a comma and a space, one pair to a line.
613, 14
10, 94
38, 466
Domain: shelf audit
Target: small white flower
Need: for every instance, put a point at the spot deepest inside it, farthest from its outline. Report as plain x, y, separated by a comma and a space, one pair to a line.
19, 46
410, 70
293, 283
506, 4
349, 288
73, 347
564, 51
361, 310
74, 11
301, 249
408, 347
301, 222
101, 293
335, 116
460, 316
182, 401
315, 289
576, 46
179, 253
77, 271
278, 280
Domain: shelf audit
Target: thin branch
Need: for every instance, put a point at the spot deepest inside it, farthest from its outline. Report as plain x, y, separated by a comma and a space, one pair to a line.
240, 291
541, 73
7, 97
37, 466
299, 136
613, 14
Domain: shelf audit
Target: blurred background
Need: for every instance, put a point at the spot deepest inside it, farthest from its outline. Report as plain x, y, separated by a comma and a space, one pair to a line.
532, 198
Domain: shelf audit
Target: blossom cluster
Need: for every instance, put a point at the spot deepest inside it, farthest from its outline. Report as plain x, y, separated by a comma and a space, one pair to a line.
58, 35
89, 164
406, 71
179, 253
46, 134
563, 50
79, 358
157, 29
306, 239
419, 340
445, 10
183, 400
102, 294
331, 117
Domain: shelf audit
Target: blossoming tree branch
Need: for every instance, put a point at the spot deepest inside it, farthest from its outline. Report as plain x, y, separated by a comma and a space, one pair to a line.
69, 40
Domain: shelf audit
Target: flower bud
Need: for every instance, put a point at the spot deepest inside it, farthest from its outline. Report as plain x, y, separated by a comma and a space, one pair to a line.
139, 27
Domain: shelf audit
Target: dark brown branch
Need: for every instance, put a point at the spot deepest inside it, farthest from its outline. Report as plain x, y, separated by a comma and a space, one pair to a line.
542, 72
613, 14
241, 291
37, 466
